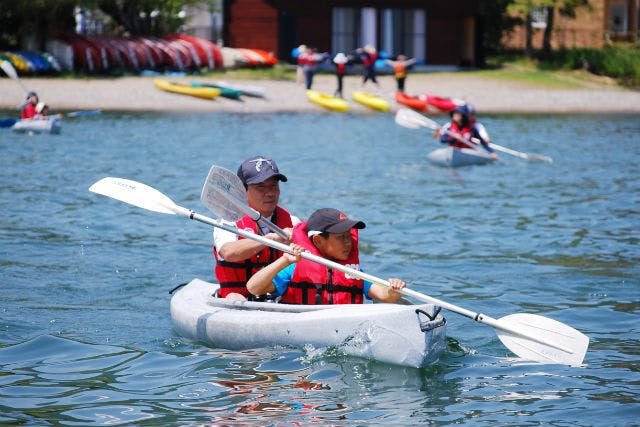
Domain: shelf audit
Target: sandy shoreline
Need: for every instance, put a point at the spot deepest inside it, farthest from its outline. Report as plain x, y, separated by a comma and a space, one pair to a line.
489, 96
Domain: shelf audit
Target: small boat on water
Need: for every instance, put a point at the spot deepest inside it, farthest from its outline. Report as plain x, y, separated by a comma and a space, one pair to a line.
407, 335
184, 89
327, 101
370, 100
415, 102
51, 125
454, 157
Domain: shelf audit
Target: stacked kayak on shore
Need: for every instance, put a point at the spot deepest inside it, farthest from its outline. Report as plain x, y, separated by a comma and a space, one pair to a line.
327, 101
185, 89
372, 101
428, 102
407, 335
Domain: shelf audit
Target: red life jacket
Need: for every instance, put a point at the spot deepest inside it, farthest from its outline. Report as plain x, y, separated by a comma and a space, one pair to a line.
400, 70
369, 59
310, 277
465, 132
28, 112
341, 69
233, 276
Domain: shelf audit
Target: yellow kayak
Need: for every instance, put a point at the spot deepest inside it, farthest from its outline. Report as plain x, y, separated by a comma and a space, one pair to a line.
199, 92
370, 100
328, 101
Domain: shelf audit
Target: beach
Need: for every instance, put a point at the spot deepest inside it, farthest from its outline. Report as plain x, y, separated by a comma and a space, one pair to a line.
138, 93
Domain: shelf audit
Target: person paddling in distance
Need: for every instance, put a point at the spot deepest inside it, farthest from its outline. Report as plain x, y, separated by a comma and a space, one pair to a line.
237, 258
28, 107
458, 132
328, 233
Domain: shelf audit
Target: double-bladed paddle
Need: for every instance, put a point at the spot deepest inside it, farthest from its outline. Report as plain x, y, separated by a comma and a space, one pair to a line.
530, 336
414, 120
7, 67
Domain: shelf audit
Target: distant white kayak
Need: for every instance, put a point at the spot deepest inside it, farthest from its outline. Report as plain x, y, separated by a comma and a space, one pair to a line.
455, 157
407, 335
52, 125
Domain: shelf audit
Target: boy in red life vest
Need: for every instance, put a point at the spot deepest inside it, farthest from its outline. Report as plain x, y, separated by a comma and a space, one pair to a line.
330, 234
28, 108
400, 66
237, 258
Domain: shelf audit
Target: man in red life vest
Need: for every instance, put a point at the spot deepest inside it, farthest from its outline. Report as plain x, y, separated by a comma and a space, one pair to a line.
330, 234
28, 108
237, 258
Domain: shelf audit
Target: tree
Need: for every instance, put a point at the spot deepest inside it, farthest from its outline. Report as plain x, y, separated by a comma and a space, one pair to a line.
527, 7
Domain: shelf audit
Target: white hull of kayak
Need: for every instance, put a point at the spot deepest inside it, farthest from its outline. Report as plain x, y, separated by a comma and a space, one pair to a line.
53, 125
455, 157
388, 333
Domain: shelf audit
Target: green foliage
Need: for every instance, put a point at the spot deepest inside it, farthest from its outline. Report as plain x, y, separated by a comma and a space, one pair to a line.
620, 61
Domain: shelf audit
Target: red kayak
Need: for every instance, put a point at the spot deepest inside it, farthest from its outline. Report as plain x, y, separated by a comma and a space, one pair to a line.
444, 104
415, 102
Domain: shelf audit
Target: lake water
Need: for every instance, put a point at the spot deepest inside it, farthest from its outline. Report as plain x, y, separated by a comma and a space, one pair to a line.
85, 332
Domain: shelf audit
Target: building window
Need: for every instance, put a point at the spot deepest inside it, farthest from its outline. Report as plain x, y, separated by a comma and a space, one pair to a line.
403, 31
619, 18
345, 22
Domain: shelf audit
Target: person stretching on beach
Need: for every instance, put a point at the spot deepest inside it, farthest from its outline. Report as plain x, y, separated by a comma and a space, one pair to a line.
369, 55
330, 234
237, 258
400, 66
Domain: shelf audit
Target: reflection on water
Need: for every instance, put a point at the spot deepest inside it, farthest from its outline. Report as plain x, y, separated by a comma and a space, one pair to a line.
85, 333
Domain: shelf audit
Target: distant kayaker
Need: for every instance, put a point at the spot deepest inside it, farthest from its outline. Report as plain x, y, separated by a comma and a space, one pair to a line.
28, 107
237, 258
42, 112
330, 234
459, 132
400, 66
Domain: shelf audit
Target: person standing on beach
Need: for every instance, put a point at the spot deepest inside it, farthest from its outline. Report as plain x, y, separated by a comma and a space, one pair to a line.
237, 258
369, 56
330, 234
340, 61
309, 60
28, 107
400, 66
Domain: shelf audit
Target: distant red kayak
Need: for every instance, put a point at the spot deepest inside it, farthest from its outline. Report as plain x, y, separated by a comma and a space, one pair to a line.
415, 102
444, 104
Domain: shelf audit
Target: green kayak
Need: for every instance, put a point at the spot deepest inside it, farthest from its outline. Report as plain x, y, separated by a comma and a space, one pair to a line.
224, 91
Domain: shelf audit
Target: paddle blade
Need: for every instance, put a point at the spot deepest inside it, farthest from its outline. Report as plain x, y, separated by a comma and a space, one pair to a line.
136, 194
562, 344
8, 69
84, 113
414, 120
224, 194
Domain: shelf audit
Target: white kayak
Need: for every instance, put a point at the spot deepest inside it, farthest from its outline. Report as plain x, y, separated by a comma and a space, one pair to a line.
454, 157
407, 335
52, 125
